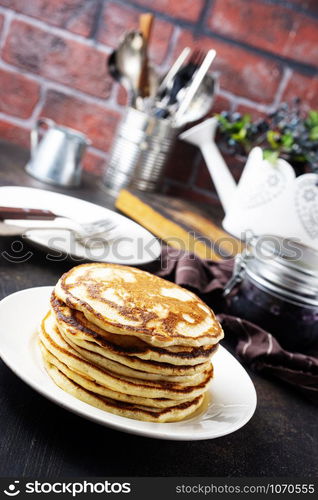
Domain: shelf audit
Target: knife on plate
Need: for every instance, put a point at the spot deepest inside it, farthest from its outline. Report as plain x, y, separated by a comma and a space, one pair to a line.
15, 213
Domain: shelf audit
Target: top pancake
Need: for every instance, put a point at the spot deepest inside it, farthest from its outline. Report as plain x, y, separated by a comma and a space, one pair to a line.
128, 301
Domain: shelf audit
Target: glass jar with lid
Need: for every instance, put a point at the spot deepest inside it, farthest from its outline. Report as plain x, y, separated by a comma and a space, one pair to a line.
276, 281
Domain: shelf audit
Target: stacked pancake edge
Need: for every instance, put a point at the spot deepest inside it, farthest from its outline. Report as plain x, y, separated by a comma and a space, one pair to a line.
129, 342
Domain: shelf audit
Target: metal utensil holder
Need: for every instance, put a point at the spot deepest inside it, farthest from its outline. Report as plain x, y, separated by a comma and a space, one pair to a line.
139, 152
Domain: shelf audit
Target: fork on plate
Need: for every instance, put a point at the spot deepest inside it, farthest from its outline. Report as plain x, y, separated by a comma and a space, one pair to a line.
83, 232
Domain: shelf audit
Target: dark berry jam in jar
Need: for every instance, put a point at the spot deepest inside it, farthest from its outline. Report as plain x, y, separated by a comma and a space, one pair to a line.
277, 289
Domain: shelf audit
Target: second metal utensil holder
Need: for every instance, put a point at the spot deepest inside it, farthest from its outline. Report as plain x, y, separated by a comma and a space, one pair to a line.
139, 152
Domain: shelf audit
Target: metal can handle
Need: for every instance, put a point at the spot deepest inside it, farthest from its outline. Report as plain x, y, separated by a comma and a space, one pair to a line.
238, 274
35, 133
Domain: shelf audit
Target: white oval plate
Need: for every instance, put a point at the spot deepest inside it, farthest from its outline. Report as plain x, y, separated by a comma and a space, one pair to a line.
230, 403
131, 243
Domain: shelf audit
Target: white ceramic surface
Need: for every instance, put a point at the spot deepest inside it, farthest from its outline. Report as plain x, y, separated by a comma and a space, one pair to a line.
230, 403
131, 243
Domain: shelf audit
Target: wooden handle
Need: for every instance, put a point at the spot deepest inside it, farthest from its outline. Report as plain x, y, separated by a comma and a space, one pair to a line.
26, 214
145, 27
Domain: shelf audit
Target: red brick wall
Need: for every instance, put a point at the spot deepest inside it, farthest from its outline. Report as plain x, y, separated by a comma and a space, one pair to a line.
52, 63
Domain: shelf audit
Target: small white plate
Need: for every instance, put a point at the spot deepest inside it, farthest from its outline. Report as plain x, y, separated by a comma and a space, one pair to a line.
130, 243
231, 399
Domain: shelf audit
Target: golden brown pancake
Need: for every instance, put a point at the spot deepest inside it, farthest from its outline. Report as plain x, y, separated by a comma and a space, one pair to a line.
58, 347
123, 409
128, 342
128, 301
92, 386
82, 334
123, 370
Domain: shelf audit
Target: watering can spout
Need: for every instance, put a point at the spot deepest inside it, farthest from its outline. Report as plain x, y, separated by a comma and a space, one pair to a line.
202, 136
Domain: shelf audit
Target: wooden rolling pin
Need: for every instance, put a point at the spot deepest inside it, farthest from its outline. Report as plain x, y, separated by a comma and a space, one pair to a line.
179, 223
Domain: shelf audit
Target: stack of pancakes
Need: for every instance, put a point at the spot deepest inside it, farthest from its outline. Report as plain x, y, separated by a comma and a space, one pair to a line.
129, 342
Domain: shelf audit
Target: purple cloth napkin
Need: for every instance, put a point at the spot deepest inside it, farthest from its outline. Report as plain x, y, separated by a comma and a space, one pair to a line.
258, 348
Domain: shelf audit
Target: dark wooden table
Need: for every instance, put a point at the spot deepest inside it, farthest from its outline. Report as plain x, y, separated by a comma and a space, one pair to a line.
41, 439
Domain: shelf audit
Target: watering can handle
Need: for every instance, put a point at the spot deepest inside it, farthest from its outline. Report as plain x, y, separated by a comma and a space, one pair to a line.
35, 133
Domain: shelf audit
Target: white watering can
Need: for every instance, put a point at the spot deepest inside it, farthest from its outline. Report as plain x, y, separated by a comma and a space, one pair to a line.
268, 198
